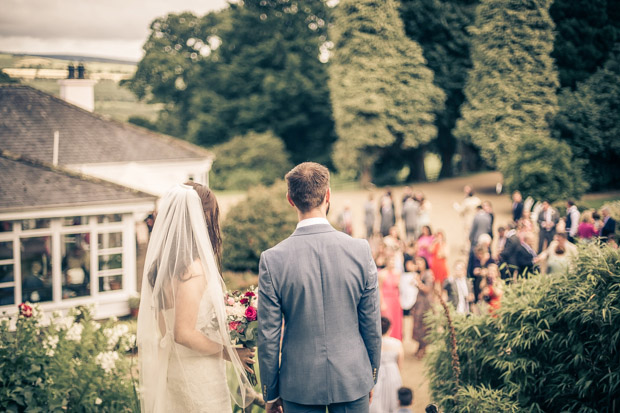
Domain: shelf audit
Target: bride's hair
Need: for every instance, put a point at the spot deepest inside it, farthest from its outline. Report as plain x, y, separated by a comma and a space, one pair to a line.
212, 217
211, 212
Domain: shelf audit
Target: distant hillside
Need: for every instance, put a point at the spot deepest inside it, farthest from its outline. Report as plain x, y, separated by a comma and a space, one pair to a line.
76, 58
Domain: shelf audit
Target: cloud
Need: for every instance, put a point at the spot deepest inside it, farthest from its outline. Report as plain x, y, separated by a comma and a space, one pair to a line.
65, 24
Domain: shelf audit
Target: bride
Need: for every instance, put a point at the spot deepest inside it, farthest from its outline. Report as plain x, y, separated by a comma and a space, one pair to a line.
186, 360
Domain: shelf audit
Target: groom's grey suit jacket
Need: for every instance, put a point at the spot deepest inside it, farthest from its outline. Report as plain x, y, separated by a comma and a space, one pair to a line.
323, 283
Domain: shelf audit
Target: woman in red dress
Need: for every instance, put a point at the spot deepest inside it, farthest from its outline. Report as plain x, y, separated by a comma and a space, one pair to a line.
439, 260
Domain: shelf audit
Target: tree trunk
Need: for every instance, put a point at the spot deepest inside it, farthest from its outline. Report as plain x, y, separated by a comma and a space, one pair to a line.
446, 143
470, 158
417, 173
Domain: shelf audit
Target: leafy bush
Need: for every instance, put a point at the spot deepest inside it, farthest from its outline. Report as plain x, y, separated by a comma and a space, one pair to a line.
484, 399
71, 364
257, 223
552, 347
543, 169
249, 160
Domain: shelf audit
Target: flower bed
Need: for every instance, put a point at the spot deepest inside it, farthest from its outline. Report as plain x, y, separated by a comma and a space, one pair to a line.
70, 363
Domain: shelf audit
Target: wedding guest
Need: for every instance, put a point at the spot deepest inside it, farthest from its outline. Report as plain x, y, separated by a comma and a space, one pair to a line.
481, 263
517, 206
389, 280
459, 288
407, 194
488, 208
439, 259
385, 395
345, 219
547, 221
381, 255
406, 288
395, 247
501, 241
492, 289
424, 282
481, 225
387, 212
572, 220
598, 223
586, 230
423, 245
608, 229
405, 399
467, 211
409, 215
424, 211
369, 216
556, 258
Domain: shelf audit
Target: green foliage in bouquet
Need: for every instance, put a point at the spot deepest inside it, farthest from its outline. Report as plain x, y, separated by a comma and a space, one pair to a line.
257, 223
72, 363
249, 160
552, 347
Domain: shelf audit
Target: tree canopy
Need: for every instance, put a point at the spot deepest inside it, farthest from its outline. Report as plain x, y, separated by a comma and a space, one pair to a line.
511, 90
440, 27
383, 95
253, 66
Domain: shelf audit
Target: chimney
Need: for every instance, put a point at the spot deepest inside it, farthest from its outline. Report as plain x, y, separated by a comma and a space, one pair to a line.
79, 92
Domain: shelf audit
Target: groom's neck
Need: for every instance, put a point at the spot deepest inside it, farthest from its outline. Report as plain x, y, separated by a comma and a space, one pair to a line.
315, 213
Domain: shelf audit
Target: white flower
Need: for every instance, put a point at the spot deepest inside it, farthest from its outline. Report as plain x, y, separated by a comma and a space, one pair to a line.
75, 332
96, 325
114, 334
49, 353
64, 323
98, 401
237, 310
107, 360
51, 342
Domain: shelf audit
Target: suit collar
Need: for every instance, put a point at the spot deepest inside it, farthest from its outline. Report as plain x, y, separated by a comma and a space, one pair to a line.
313, 229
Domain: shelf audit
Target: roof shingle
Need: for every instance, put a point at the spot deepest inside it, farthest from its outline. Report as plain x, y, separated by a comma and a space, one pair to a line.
29, 118
26, 184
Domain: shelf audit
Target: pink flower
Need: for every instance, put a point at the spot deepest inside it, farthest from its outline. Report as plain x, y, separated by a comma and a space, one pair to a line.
230, 301
233, 325
250, 294
244, 301
250, 313
25, 310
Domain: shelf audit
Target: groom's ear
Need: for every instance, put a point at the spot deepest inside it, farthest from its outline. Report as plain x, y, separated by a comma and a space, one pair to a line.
290, 201
328, 195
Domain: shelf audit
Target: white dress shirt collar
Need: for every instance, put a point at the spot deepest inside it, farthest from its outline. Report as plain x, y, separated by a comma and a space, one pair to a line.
312, 221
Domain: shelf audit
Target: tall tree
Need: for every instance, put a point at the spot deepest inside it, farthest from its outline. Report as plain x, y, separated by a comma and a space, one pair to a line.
383, 94
511, 90
589, 121
440, 27
254, 66
586, 31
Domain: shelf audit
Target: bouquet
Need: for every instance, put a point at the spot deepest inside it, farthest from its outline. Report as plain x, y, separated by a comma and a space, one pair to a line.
241, 316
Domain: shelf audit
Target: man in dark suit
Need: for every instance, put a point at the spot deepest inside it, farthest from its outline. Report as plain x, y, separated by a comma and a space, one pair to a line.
609, 225
323, 283
517, 206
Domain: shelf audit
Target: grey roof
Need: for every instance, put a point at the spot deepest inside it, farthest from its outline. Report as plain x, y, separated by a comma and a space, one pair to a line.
29, 118
26, 184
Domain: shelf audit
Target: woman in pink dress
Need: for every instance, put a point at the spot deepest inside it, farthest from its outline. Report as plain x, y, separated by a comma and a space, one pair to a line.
389, 278
424, 244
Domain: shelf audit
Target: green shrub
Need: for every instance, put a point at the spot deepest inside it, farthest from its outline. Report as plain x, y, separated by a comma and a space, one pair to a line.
257, 223
484, 399
249, 160
543, 169
553, 346
71, 364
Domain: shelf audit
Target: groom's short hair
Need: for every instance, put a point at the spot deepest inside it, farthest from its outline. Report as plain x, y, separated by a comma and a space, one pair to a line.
307, 185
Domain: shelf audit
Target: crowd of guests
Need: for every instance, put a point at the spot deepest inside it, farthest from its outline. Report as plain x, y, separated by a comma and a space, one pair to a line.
413, 269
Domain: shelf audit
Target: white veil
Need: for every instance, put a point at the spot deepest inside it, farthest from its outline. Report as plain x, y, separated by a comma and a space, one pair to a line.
179, 250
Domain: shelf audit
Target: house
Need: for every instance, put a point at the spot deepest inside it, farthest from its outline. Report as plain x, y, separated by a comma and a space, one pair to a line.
66, 239
42, 127
75, 188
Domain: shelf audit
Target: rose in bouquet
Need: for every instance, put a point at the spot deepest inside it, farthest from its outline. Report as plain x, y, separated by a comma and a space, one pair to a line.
241, 316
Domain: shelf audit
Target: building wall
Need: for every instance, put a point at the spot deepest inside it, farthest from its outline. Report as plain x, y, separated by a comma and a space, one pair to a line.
59, 262
151, 177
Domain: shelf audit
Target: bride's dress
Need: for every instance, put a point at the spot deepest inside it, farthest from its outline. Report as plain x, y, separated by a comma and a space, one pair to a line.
196, 383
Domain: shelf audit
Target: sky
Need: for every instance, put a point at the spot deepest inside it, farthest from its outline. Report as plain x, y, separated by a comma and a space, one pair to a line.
103, 28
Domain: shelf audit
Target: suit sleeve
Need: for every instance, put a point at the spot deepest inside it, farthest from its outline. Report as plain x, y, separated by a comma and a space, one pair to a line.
369, 315
269, 331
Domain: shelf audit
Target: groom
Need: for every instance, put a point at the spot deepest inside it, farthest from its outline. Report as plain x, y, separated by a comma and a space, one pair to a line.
323, 283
